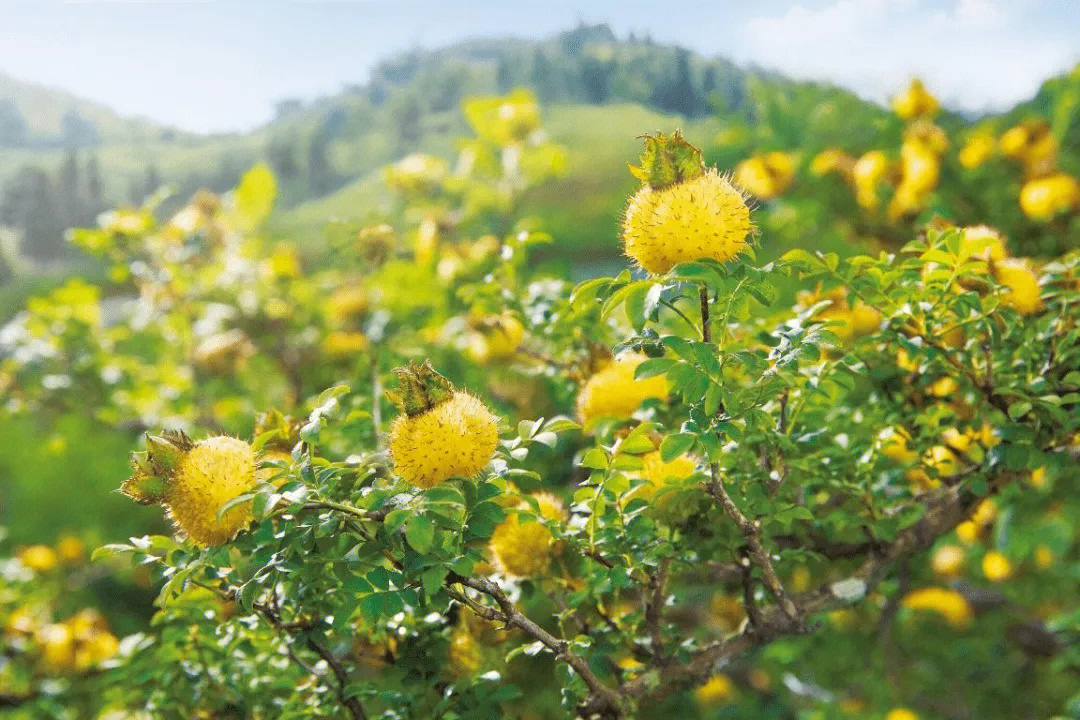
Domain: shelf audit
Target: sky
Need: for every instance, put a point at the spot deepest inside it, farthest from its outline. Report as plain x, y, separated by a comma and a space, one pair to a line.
220, 66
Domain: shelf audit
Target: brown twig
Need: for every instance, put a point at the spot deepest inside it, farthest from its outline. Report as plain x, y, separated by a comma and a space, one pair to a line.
751, 531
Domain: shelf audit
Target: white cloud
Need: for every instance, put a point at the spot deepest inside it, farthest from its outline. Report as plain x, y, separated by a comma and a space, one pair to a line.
968, 51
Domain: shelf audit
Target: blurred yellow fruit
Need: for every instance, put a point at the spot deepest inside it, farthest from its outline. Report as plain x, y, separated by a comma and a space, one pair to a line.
1024, 293
949, 604
832, 160
417, 173
977, 150
614, 392
948, 561
893, 444
39, 558
1044, 557
1044, 198
901, 714
718, 689
996, 567
943, 460
495, 337
57, 645
968, 532
523, 548
915, 101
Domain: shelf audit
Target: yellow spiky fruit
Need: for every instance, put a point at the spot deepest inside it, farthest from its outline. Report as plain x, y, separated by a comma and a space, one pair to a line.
524, 548
706, 217
455, 438
614, 392
207, 476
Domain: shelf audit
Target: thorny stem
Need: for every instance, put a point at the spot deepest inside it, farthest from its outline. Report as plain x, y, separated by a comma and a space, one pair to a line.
751, 530
606, 700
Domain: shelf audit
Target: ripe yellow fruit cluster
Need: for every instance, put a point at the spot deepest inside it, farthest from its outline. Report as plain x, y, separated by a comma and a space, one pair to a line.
193, 481
524, 548
614, 392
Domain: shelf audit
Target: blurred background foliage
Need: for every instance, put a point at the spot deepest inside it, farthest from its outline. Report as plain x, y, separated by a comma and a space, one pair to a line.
797, 146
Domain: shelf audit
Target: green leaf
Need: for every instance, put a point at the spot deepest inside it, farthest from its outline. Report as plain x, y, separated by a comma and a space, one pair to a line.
594, 459
1019, 409
675, 445
636, 444
420, 533
432, 579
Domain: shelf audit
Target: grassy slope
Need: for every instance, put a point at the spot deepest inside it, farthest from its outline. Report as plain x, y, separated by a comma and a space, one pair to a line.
580, 209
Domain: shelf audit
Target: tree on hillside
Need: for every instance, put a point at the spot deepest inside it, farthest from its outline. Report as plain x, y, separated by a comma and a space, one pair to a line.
321, 176
27, 205
595, 79
542, 78
70, 207
675, 92
13, 128
76, 131
95, 190
282, 157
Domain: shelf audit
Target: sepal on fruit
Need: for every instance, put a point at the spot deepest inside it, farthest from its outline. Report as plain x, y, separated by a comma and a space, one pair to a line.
667, 161
420, 388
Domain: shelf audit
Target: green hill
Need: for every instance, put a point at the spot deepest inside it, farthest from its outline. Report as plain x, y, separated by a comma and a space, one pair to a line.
598, 91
